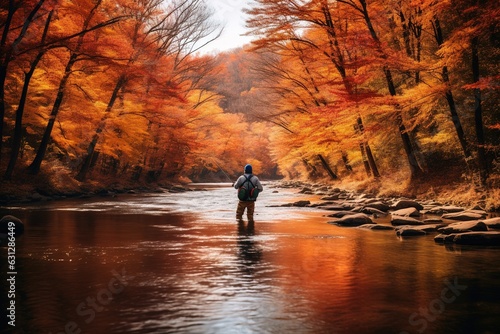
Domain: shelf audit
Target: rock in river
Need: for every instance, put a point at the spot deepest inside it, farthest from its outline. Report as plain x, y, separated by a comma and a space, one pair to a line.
379, 205
445, 209
340, 214
352, 220
478, 238
408, 212
399, 220
373, 211
404, 204
375, 227
407, 230
301, 204
464, 215
492, 222
410, 232
463, 227
440, 238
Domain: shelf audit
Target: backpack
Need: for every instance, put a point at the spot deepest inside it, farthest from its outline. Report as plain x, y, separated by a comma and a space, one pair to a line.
250, 193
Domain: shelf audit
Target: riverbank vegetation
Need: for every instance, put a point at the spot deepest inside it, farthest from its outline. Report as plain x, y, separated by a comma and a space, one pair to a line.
390, 97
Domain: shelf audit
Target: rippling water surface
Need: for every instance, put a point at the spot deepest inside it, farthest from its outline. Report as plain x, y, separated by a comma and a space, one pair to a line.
180, 263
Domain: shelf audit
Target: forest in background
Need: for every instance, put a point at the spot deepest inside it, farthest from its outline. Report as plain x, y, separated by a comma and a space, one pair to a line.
394, 97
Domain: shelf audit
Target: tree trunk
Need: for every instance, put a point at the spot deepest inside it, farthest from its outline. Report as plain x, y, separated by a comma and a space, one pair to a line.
415, 169
90, 149
411, 155
365, 159
438, 34
325, 165
366, 148
311, 170
18, 128
34, 168
345, 159
3, 74
6, 57
478, 114
371, 161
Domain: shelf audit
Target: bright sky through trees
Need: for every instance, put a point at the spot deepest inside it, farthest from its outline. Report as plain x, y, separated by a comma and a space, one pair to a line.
229, 14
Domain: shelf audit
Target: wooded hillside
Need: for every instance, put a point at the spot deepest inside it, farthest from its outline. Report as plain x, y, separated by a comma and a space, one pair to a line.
406, 90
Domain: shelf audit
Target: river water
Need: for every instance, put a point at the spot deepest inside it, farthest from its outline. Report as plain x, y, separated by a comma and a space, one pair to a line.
180, 263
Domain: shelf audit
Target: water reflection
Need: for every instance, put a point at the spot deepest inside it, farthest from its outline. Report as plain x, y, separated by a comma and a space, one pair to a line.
199, 271
249, 252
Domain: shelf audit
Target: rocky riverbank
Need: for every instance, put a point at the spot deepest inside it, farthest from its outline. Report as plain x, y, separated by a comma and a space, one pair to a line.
451, 223
40, 195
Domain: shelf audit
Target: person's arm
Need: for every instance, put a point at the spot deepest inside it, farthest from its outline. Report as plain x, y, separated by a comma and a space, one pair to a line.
238, 182
258, 185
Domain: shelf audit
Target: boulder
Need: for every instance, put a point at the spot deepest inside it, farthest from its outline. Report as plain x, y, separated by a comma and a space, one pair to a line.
296, 204
376, 227
409, 232
440, 238
18, 225
408, 212
301, 204
379, 205
320, 204
338, 207
448, 239
492, 222
399, 220
173, 189
306, 190
358, 209
412, 230
433, 220
426, 228
479, 211
353, 220
445, 209
330, 197
340, 214
373, 211
478, 238
445, 238
463, 227
451, 208
463, 216
404, 204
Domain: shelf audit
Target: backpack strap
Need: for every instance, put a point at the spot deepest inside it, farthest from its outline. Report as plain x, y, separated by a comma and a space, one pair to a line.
249, 179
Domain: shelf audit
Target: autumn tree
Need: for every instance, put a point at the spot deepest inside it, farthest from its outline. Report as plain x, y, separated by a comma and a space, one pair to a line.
478, 34
369, 44
156, 35
21, 13
77, 52
320, 46
18, 128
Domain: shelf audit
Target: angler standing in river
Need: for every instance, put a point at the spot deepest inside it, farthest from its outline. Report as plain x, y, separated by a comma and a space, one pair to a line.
249, 187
